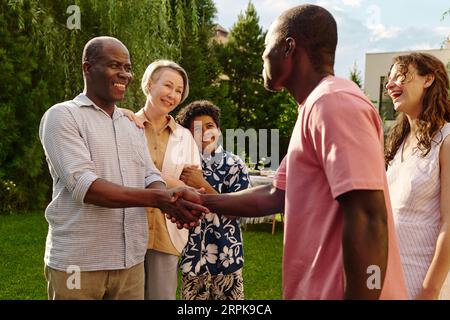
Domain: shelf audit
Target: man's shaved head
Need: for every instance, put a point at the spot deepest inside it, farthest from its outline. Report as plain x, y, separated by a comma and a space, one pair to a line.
314, 29
93, 48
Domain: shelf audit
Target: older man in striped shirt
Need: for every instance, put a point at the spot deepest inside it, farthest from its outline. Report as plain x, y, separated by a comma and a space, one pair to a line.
103, 177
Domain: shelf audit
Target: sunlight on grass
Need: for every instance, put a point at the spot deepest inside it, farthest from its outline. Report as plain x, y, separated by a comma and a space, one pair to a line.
22, 239
22, 245
262, 266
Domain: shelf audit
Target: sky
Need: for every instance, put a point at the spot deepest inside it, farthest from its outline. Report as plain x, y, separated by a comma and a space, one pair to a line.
364, 26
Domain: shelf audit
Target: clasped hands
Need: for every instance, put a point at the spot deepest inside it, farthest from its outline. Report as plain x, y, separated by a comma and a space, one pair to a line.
184, 207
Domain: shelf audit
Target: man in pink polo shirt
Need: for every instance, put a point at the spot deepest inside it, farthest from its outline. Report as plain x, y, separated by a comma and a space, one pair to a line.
339, 240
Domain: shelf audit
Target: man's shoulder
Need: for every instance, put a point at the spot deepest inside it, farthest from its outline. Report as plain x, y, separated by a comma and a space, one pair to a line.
338, 94
57, 116
60, 109
63, 105
335, 87
66, 106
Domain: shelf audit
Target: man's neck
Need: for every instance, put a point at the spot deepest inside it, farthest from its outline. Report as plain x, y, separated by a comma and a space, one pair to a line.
108, 107
305, 77
301, 87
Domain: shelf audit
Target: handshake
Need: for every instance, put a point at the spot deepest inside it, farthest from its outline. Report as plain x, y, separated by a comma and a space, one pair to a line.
183, 206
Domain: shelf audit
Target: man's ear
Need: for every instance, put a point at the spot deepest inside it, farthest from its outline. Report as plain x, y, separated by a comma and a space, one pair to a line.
86, 67
429, 79
289, 46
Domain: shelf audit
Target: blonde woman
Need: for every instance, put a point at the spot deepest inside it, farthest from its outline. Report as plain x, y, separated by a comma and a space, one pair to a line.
171, 147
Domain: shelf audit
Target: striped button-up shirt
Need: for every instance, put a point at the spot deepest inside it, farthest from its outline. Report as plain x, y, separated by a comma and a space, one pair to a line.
83, 143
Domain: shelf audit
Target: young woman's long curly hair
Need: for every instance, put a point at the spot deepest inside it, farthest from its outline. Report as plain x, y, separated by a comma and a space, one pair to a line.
436, 104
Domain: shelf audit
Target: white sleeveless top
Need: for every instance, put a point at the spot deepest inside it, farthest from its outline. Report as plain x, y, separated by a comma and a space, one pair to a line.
414, 187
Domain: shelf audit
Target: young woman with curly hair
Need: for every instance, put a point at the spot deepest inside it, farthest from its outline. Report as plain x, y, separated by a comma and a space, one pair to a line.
418, 161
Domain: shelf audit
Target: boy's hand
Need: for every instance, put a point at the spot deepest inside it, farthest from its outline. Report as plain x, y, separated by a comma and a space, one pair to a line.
193, 176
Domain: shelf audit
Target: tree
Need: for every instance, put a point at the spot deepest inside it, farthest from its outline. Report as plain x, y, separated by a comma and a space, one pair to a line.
40, 59
355, 75
251, 105
444, 15
197, 55
24, 94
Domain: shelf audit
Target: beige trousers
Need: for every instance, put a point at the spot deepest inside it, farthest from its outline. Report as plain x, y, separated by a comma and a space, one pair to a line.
124, 284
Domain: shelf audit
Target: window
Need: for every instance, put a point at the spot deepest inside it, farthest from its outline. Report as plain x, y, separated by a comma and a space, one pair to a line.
387, 111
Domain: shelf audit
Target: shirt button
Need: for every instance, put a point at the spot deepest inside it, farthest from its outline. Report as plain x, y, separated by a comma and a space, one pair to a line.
123, 169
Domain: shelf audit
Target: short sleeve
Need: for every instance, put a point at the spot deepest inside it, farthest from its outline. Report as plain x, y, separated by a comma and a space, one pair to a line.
279, 180
347, 137
66, 151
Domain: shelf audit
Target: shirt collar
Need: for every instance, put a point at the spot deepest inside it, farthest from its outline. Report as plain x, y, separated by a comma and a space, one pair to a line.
83, 101
208, 157
170, 120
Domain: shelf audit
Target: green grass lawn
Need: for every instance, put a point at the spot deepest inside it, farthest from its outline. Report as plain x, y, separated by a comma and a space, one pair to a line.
22, 244
262, 265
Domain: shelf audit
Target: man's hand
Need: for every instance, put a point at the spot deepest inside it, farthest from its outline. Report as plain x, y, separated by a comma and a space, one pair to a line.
183, 207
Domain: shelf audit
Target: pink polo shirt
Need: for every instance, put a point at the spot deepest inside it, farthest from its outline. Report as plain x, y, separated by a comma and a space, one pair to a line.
336, 147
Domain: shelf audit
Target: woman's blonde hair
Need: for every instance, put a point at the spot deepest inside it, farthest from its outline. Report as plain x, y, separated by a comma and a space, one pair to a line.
152, 71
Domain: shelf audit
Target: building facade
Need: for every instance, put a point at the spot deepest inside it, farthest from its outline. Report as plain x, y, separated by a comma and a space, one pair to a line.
376, 73
221, 34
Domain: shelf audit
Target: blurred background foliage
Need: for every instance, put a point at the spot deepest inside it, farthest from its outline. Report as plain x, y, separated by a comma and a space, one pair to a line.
40, 59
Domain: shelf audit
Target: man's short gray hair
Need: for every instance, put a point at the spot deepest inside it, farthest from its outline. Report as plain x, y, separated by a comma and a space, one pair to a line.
160, 64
